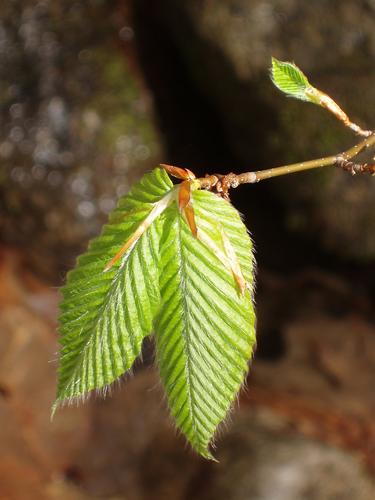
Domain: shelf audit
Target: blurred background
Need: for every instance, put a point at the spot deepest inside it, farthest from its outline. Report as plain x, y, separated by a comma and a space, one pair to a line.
92, 95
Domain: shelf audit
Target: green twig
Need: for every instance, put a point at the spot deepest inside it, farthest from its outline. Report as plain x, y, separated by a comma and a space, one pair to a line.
222, 183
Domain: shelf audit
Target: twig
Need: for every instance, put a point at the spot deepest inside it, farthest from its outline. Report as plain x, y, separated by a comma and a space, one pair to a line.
222, 183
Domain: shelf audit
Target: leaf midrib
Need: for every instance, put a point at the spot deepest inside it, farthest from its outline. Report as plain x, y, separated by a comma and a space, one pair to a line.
185, 332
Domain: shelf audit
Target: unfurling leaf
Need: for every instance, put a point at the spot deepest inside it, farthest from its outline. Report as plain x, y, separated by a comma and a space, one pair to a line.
178, 263
288, 78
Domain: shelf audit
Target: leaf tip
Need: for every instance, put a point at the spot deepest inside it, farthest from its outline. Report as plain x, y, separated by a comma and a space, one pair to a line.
190, 174
274, 62
206, 453
54, 408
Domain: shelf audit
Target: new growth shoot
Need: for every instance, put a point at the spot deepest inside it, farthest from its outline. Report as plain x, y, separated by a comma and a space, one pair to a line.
288, 78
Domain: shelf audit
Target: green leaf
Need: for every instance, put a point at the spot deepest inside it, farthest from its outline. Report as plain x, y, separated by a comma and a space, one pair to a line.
106, 315
205, 328
288, 78
148, 271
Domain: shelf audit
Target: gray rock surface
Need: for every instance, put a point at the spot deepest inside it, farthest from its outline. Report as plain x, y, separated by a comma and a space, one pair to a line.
260, 461
228, 46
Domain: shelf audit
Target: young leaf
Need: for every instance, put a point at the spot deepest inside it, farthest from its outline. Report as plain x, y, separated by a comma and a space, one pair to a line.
106, 315
205, 327
288, 78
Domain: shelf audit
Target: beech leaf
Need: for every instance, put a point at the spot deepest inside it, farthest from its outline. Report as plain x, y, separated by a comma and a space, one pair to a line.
106, 315
176, 261
205, 328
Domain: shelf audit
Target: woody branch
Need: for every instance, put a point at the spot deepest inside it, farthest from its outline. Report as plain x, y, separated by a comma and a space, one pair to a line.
222, 183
